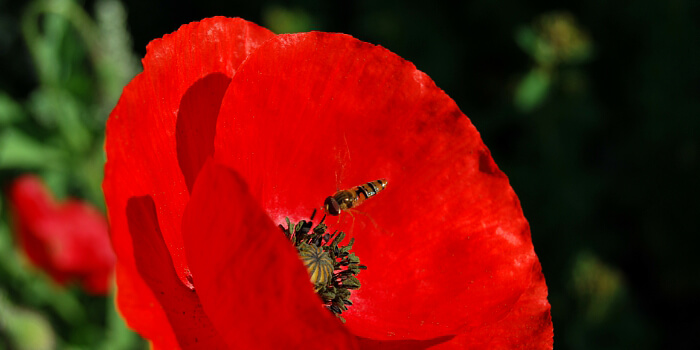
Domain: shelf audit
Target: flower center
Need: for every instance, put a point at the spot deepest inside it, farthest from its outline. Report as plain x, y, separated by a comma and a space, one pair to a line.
332, 268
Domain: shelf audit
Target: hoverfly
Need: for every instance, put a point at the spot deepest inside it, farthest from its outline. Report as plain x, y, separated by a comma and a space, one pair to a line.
351, 198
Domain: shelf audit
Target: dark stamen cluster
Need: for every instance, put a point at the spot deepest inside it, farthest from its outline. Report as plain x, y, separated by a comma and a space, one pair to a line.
335, 290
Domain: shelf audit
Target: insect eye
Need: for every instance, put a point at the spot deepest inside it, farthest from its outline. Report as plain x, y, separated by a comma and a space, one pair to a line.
332, 207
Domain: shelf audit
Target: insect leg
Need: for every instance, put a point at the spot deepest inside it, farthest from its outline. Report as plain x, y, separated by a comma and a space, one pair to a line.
374, 223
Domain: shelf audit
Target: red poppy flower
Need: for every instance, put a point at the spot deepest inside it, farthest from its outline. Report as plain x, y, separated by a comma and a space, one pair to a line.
67, 240
230, 129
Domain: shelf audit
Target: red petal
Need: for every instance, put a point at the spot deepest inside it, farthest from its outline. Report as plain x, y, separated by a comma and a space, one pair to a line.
446, 243
372, 344
181, 304
527, 326
250, 280
68, 240
142, 151
142, 310
196, 124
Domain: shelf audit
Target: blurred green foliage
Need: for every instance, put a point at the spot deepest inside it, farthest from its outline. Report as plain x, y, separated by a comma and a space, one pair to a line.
280, 19
591, 108
25, 330
553, 42
55, 128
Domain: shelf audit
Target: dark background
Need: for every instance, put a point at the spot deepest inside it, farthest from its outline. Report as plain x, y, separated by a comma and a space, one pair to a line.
604, 157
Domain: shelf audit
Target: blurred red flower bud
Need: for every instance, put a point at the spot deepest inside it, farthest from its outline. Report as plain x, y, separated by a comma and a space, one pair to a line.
68, 240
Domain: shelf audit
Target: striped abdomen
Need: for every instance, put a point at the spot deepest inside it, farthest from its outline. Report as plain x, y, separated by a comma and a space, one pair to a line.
346, 199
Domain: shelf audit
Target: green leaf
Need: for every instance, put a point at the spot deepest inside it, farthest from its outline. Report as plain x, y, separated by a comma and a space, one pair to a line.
526, 38
532, 90
287, 20
116, 63
27, 330
10, 110
58, 110
17, 150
